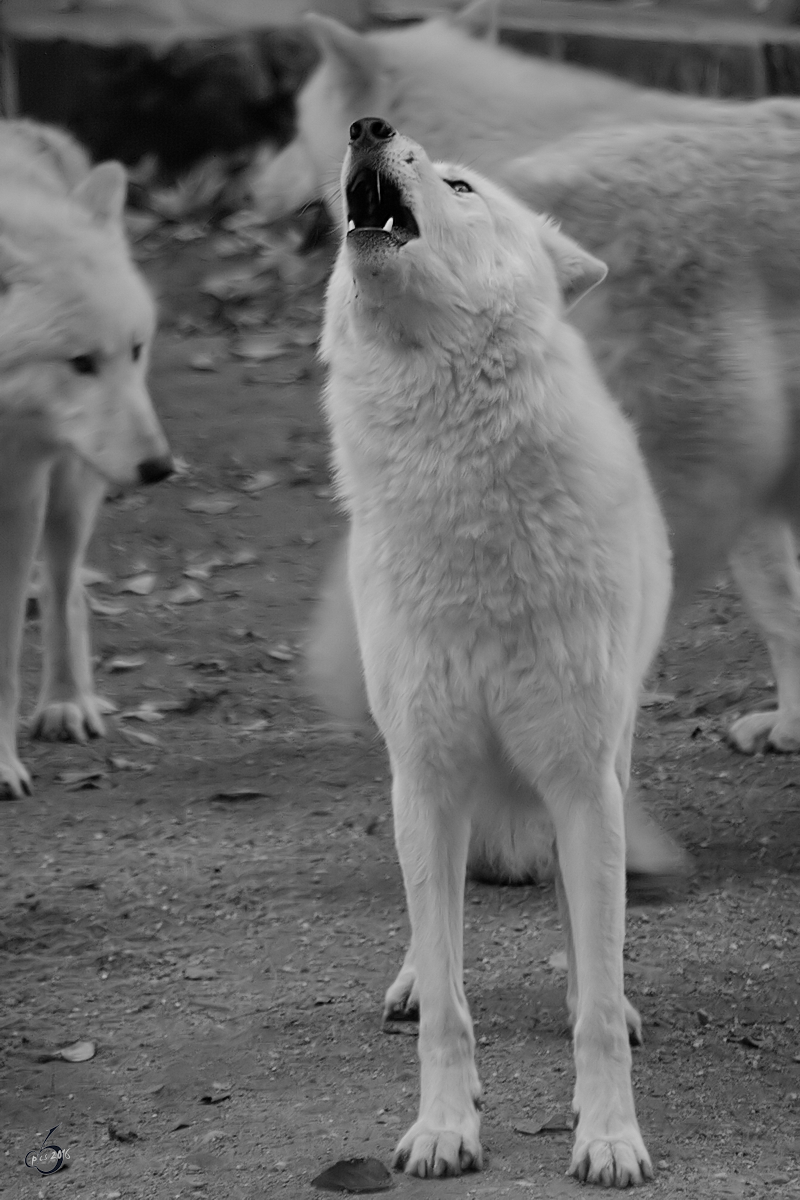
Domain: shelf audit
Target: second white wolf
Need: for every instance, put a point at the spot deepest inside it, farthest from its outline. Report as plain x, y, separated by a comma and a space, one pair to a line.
75, 413
509, 568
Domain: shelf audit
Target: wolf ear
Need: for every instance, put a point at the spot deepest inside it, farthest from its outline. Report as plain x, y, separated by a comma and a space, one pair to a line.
349, 52
577, 270
103, 192
479, 19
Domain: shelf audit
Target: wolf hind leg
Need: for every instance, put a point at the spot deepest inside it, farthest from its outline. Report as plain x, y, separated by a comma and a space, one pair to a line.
68, 707
764, 564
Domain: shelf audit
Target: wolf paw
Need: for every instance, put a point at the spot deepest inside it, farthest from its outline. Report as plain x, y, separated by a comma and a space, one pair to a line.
431, 1153
15, 782
402, 998
69, 720
612, 1162
766, 731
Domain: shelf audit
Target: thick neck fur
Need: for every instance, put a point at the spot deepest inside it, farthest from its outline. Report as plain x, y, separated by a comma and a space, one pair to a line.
455, 390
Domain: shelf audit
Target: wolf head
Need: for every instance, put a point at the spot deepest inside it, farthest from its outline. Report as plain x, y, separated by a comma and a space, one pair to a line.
430, 245
76, 325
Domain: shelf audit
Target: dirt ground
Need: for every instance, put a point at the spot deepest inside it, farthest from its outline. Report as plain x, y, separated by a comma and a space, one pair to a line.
211, 893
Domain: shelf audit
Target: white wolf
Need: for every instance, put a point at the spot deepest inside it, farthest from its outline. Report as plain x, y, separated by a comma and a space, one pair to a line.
509, 568
77, 323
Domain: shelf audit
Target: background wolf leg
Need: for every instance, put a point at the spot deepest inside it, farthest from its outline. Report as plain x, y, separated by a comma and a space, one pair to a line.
68, 707
765, 566
21, 517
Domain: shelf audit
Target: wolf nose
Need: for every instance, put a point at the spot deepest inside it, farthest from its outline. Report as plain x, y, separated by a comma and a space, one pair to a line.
153, 470
369, 131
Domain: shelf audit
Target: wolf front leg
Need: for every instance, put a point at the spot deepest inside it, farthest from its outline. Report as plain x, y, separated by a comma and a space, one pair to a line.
764, 564
432, 830
590, 841
22, 502
68, 708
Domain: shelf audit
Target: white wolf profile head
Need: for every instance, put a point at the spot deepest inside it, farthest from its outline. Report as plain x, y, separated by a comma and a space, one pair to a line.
431, 250
76, 325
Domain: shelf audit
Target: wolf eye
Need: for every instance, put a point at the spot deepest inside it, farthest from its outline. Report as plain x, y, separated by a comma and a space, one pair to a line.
136, 351
84, 364
458, 185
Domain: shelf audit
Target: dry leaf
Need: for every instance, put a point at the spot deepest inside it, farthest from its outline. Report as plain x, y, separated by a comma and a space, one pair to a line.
81, 779
104, 609
259, 347
354, 1175
185, 593
92, 575
138, 735
78, 1052
126, 764
281, 653
556, 1123
243, 558
242, 793
140, 585
147, 711
203, 362
214, 506
257, 483
125, 664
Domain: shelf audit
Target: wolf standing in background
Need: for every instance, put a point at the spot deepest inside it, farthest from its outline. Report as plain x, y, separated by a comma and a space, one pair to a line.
694, 332
75, 332
510, 574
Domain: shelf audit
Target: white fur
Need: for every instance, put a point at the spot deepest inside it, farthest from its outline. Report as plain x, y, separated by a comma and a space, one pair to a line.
509, 570
76, 323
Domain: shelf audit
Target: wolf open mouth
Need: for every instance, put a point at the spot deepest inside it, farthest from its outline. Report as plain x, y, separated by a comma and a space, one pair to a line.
374, 203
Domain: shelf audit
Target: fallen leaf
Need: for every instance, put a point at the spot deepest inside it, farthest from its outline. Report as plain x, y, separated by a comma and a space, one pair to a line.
185, 593
92, 575
125, 664
203, 570
117, 1134
78, 780
103, 609
243, 558
215, 1097
259, 347
558, 960
264, 479
203, 362
140, 585
354, 1175
242, 793
557, 1123
182, 1123
214, 506
78, 1052
281, 653
147, 712
127, 764
138, 735
254, 727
